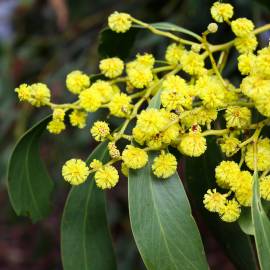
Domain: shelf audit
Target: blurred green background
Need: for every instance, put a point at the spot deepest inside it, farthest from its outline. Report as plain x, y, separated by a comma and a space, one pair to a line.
43, 41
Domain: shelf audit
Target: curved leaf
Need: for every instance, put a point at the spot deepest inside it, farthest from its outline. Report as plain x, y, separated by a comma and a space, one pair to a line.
245, 221
261, 226
155, 101
85, 238
200, 176
29, 184
164, 230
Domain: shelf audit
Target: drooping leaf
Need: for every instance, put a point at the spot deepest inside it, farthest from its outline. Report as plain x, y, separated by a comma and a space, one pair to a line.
29, 184
164, 230
200, 176
116, 44
261, 226
85, 238
245, 221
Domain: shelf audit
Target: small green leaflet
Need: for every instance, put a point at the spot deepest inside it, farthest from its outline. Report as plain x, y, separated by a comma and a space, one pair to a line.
29, 184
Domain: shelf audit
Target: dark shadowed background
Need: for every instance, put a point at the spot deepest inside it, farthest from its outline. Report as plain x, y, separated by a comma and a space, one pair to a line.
43, 41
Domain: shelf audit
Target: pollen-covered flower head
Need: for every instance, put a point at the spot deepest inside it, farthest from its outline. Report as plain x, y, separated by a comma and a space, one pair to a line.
262, 63
164, 165
78, 118
192, 144
214, 201
134, 157
24, 92
246, 44
111, 67
263, 155
226, 172
113, 150
237, 116
104, 89
245, 63
174, 53
77, 81
265, 187
106, 177
58, 114
75, 171
139, 75
119, 22
221, 12
229, 146
100, 130
120, 105
56, 126
90, 100
40, 94
146, 59
193, 63
96, 164
243, 188
242, 27
231, 211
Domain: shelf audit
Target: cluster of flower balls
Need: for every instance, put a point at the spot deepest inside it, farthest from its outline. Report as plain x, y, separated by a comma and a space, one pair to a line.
193, 97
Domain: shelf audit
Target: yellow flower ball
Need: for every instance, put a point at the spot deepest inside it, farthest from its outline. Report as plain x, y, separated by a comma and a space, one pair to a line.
192, 144
221, 12
77, 81
242, 27
111, 67
56, 126
146, 59
90, 100
119, 22
164, 165
263, 155
100, 130
104, 89
246, 44
245, 63
78, 118
243, 188
214, 201
75, 171
134, 157
262, 62
120, 105
237, 116
58, 114
174, 53
40, 94
229, 146
231, 211
106, 177
24, 92
265, 187
139, 75
113, 150
96, 164
193, 63
226, 172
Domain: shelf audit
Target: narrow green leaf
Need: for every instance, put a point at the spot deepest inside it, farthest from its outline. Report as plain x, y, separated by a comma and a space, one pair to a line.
175, 28
29, 184
85, 238
261, 226
245, 221
155, 102
200, 176
116, 44
162, 224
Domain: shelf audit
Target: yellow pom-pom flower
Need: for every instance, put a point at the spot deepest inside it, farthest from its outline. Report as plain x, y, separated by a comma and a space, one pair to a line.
100, 130
56, 126
78, 118
242, 27
214, 201
245, 63
120, 105
226, 173
174, 53
262, 62
237, 117
77, 81
134, 157
139, 75
243, 188
96, 164
111, 67
246, 44
146, 59
90, 100
164, 165
231, 211
58, 114
106, 177
265, 187
192, 144
104, 89
75, 171
263, 155
24, 92
193, 63
119, 22
40, 94
221, 12
113, 150
229, 146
